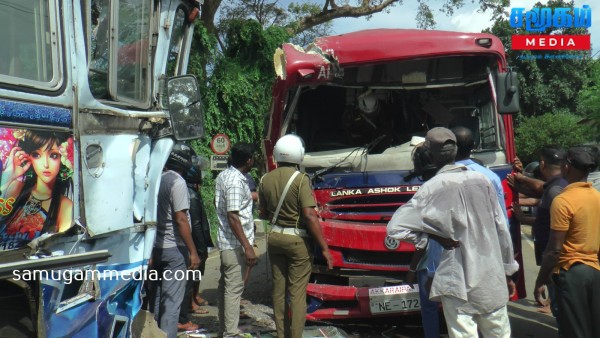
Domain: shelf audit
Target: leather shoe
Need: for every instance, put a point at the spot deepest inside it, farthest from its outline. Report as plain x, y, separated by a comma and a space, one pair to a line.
189, 326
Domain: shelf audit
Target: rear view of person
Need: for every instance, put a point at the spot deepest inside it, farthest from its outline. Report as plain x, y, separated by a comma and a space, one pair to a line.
201, 236
460, 207
285, 198
174, 245
235, 236
571, 256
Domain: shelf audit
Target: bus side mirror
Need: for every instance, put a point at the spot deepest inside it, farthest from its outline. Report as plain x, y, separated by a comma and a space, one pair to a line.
507, 93
185, 107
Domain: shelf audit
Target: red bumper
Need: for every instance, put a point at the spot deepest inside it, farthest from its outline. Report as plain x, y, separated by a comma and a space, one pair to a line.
356, 300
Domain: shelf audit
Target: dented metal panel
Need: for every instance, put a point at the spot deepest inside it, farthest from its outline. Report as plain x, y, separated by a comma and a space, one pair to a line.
381, 45
107, 175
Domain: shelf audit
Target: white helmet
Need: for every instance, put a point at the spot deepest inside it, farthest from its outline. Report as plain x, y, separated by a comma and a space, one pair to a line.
289, 149
368, 103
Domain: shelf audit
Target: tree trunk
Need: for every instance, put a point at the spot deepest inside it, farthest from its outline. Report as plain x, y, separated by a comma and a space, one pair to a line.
207, 15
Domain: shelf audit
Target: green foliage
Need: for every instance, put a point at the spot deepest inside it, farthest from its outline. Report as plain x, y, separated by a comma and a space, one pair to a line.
237, 88
560, 129
546, 85
588, 102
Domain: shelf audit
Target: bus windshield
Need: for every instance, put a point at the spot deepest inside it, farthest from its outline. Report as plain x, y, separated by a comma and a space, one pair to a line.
119, 63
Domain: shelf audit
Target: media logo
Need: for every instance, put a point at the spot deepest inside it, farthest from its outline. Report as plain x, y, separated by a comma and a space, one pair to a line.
540, 19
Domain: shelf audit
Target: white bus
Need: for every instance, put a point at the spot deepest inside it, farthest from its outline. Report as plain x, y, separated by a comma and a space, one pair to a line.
92, 98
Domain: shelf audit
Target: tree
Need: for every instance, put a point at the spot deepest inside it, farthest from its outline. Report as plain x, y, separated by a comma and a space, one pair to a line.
588, 102
546, 85
561, 129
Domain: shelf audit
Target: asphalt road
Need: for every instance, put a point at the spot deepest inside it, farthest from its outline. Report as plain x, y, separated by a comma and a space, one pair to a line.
525, 319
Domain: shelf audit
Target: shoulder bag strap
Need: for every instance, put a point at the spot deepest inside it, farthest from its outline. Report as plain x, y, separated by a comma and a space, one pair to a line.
285, 190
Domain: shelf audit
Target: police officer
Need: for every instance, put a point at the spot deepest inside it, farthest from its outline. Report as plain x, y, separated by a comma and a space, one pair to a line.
285, 199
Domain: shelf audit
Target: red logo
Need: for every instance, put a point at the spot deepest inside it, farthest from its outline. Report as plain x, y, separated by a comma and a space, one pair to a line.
551, 42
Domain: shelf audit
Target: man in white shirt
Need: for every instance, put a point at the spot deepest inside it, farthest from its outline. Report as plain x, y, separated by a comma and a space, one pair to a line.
235, 236
461, 206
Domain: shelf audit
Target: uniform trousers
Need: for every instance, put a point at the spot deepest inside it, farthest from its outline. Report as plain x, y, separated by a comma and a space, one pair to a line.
291, 265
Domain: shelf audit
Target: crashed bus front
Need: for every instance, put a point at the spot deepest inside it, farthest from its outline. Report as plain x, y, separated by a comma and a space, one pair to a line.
362, 102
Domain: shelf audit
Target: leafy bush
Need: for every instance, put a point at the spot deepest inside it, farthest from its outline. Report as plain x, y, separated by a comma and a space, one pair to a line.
561, 129
236, 90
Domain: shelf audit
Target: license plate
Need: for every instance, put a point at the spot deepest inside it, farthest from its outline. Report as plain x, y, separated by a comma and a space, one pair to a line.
390, 299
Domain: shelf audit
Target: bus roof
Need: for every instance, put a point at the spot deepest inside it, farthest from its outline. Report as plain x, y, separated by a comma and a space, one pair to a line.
380, 45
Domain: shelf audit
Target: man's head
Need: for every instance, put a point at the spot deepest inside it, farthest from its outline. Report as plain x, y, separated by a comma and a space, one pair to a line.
423, 163
242, 156
579, 162
465, 142
441, 143
180, 159
551, 157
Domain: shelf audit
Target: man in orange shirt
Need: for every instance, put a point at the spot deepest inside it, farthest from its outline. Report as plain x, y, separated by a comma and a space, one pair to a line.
571, 257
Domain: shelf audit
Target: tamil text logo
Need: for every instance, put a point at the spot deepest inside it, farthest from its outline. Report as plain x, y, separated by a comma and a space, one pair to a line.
541, 19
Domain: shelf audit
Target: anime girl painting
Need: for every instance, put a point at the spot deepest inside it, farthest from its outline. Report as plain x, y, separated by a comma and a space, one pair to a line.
36, 185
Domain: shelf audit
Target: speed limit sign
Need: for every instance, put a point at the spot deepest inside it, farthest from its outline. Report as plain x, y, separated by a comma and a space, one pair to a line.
220, 144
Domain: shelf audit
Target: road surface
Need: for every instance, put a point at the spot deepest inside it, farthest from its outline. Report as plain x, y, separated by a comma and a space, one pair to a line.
525, 319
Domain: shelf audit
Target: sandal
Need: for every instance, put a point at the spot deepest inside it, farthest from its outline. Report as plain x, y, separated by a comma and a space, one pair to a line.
200, 301
200, 311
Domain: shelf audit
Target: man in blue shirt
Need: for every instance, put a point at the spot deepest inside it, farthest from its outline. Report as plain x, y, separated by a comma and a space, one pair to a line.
465, 144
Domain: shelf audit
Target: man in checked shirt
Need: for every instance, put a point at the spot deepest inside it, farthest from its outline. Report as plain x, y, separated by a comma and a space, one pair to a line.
235, 237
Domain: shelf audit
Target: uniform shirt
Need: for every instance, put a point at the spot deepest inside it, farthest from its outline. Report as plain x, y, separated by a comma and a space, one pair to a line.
232, 194
298, 196
577, 211
172, 197
462, 205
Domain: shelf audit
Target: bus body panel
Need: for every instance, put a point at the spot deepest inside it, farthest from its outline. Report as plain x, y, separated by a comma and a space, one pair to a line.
109, 107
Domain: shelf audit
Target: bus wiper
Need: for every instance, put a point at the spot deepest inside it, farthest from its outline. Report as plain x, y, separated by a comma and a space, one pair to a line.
371, 145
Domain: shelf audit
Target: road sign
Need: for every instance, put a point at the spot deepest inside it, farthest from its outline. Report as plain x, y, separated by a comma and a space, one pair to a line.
218, 162
220, 144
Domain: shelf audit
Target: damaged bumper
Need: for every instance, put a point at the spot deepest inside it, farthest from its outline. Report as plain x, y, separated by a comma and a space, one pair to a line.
329, 302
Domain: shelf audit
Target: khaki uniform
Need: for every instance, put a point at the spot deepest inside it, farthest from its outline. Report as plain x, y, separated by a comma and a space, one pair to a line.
289, 254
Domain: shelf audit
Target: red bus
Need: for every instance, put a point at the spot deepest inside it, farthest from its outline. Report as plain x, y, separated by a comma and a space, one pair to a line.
361, 102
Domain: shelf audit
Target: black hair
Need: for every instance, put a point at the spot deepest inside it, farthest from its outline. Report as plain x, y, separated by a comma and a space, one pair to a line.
579, 161
423, 163
241, 153
552, 154
464, 142
32, 141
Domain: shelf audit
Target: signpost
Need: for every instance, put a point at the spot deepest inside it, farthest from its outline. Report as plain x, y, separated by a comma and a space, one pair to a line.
220, 145
218, 162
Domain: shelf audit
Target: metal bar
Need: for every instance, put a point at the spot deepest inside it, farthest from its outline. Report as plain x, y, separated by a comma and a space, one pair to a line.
51, 263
